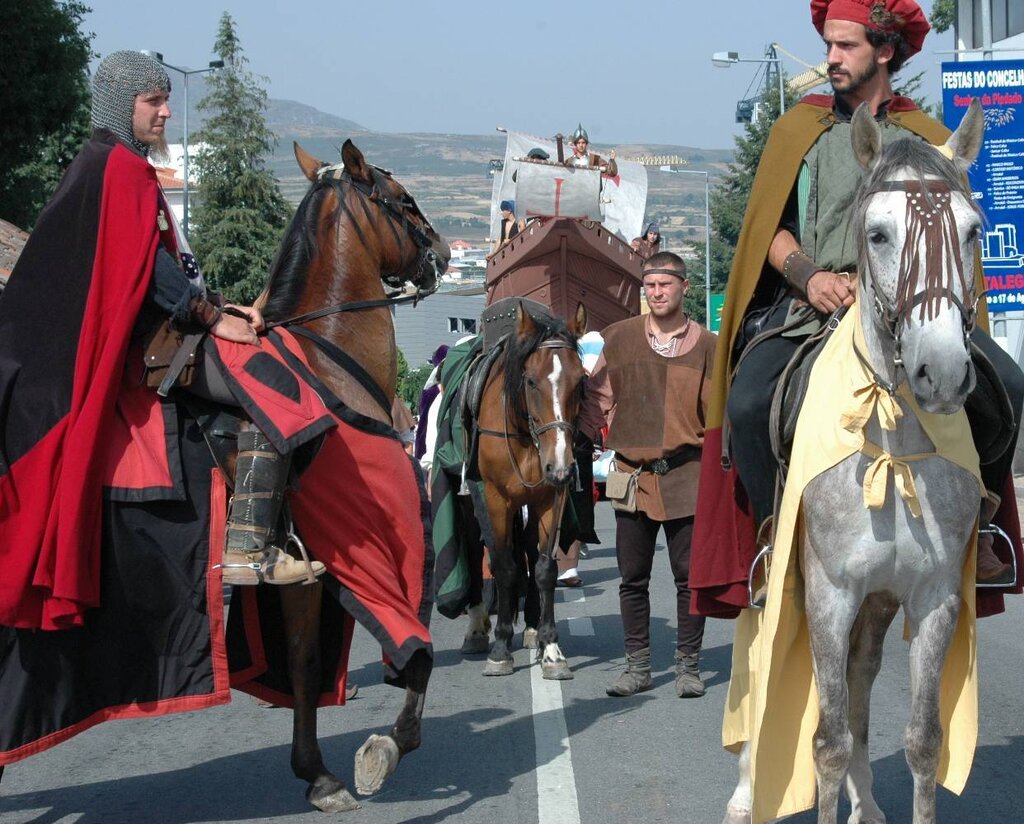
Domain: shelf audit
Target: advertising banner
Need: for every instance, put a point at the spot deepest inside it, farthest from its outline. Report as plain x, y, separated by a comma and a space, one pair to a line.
997, 178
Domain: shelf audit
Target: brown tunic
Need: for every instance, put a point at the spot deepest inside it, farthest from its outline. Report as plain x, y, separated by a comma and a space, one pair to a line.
660, 408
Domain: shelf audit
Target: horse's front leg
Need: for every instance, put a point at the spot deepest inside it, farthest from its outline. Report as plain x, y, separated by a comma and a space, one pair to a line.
506, 573
737, 811
379, 756
300, 606
932, 629
866, 641
830, 617
552, 661
531, 601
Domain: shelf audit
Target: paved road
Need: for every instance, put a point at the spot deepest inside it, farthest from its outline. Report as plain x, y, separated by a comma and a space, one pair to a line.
514, 749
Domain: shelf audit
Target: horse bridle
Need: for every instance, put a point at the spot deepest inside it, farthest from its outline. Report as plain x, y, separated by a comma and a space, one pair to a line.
426, 257
396, 212
534, 430
929, 214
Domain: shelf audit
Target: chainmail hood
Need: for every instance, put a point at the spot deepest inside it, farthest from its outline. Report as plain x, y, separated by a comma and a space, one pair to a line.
119, 78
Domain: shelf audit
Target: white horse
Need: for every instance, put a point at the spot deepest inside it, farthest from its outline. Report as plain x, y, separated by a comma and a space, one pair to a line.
918, 231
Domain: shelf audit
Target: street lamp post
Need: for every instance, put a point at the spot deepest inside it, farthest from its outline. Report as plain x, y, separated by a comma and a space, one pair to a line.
707, 239
186, 73
725, 59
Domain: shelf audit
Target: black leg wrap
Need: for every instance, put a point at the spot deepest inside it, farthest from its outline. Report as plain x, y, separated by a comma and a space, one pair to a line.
261, 475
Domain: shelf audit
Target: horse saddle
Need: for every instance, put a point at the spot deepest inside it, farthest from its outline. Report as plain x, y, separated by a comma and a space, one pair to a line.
498, 320
792, 389
471, 392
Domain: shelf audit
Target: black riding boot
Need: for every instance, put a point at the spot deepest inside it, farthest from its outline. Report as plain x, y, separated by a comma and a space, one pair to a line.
250, 556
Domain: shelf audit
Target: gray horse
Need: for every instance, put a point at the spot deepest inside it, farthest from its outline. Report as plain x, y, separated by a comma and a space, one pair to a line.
918, 231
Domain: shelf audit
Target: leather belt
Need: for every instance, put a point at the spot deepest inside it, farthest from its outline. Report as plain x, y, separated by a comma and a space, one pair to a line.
661, 466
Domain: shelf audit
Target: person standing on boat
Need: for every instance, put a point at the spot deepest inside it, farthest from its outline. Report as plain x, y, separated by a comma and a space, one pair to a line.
510, 227
650, 386
582, 158
649, 243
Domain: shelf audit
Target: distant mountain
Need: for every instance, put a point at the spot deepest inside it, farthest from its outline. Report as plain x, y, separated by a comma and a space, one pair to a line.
297, 119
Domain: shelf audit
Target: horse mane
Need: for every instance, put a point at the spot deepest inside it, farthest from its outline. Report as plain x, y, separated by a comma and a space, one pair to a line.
290, 269
927, 165
517, 350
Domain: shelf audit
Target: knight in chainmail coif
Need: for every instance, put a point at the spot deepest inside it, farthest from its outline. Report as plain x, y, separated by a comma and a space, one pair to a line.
119, 79
111, 292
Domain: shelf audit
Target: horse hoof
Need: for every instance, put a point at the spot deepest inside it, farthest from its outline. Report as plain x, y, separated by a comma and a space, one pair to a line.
475, 643
530, 638
331, 799
556, 671
734, 815
375, 761
498, 667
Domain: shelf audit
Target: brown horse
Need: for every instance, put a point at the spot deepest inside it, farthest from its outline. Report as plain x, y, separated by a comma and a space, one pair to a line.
356, 228
527, 424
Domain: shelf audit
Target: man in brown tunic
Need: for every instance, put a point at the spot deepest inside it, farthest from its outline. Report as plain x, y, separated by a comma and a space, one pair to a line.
650, 385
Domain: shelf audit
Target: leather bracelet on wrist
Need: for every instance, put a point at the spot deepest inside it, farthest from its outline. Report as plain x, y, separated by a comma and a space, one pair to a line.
798, 269
205, 313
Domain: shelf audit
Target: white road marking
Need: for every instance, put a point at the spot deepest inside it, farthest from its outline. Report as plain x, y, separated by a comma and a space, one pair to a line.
556, 782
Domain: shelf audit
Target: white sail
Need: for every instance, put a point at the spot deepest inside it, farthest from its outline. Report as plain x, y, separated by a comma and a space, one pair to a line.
623, 198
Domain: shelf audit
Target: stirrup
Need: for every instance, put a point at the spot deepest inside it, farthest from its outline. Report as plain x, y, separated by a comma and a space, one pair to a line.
998, 532
761, 566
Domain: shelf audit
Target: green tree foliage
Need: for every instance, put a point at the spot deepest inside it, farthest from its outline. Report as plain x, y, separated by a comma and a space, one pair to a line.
241, 214
943, 15
410, 381
44, 97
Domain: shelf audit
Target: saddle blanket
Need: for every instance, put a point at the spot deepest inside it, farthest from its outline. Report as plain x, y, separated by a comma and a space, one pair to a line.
771, 665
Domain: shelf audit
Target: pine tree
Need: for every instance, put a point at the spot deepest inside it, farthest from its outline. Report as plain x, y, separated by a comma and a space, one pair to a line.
241, 214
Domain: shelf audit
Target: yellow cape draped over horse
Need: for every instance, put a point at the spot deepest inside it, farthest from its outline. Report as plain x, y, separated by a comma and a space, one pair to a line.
771, 653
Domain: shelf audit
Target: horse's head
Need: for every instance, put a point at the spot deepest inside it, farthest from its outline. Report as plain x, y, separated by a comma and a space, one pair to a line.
385, 216
918, 231
543, 387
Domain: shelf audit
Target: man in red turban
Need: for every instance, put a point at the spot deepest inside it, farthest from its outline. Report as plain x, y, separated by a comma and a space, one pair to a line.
795, 248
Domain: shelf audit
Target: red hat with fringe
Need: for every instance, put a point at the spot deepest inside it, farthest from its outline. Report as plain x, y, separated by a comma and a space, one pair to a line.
903, 16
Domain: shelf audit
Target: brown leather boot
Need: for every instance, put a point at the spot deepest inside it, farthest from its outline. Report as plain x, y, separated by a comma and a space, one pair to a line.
636, 678
990, 570
688, 681
261, 474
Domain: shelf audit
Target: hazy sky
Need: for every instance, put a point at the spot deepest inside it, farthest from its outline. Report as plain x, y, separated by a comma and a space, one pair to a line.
466, 66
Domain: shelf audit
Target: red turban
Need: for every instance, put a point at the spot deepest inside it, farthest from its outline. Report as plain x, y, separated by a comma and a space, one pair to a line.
911, 21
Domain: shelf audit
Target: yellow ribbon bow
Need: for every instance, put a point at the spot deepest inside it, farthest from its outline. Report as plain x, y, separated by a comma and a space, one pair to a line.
876, 479
868, 399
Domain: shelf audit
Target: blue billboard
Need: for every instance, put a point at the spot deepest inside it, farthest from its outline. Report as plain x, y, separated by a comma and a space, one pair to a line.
997, 177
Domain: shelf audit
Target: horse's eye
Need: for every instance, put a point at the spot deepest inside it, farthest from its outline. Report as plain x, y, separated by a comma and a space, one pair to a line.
877, 238
974, 235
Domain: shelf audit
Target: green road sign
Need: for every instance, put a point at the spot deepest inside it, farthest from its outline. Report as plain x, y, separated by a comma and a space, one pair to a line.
717, 302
